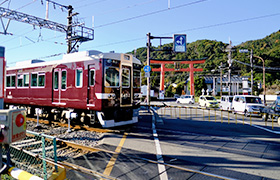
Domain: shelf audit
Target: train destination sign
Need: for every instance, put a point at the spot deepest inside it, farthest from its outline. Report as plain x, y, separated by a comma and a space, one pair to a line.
180, 42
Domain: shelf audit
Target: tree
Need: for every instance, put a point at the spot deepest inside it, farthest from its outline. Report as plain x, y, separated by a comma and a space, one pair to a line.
199, 84
168, 91
179, 88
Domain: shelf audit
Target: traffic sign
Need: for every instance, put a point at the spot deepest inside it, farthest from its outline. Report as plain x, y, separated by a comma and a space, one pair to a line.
147, 74
180, 42
147, 68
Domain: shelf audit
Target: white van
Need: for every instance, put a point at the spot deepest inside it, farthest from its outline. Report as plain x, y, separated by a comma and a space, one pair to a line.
226, 103
247, 105
185, 99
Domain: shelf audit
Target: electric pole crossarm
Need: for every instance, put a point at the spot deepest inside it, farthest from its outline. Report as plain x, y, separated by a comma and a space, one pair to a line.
21, 17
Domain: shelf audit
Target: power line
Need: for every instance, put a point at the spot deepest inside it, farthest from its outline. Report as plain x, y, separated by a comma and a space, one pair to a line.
127, 7
151, 13
201, 27
231, 22
96, 2
26, 5
255, 66
191, 29
3, 2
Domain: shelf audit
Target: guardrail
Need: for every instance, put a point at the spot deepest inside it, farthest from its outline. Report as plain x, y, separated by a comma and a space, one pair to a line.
214, 115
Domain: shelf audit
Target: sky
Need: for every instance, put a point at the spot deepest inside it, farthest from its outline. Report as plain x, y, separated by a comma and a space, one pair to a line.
122, 25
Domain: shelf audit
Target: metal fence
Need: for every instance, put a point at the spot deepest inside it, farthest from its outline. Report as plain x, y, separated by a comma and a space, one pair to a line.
216, 115
34, 154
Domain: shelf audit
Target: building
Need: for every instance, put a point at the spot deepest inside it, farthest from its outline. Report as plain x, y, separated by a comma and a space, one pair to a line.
239, 85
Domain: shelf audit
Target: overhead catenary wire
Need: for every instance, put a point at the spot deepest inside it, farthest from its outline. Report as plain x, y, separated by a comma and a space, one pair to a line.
151, 13
122, 8
191, 29
199, 28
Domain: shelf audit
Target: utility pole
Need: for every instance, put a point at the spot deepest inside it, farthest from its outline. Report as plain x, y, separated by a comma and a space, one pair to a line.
221, 79
148, 64
229, 50
252, 77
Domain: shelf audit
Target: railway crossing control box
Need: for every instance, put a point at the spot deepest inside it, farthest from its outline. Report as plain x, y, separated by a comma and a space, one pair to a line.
12, 125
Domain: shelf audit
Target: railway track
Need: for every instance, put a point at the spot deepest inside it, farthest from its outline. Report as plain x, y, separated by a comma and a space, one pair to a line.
74, 127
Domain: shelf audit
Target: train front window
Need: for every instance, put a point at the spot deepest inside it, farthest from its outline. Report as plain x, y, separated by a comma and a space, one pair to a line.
112, 76
136, 79
125, 77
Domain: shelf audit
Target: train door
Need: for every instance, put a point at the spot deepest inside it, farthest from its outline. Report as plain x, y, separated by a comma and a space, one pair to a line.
91, 85
59, 86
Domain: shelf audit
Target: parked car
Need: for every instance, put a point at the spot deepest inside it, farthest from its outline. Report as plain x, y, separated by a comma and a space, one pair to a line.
185, 99
226, 103
176, 96
247, 105
272, 111
208, 101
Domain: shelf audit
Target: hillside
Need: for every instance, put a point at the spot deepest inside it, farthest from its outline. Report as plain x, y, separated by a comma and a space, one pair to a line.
268, 48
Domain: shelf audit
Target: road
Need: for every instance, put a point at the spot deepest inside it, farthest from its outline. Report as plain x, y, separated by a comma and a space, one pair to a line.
181, 143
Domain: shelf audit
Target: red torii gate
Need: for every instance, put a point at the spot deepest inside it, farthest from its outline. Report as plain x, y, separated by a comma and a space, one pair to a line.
191, 69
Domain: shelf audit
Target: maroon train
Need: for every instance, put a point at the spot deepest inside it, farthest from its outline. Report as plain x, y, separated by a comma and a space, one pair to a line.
95, 86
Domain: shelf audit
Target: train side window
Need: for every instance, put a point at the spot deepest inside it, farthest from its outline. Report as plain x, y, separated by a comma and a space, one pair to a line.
34, 80
22, 80
19, 80
55, 81
26, 80
11, 81
125, 77
41, 79
8, 81
79, 77
91, 77
63, 79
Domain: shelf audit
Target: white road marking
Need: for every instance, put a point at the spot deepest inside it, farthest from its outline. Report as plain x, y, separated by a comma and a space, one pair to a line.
161, 167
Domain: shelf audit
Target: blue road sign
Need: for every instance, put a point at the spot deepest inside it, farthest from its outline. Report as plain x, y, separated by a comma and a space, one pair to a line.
180, 42
147, 68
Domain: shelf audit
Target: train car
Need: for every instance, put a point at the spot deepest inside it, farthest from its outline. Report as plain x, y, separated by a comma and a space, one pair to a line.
95, 86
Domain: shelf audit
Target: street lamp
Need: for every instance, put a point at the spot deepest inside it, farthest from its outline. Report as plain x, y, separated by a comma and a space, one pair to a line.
264, 92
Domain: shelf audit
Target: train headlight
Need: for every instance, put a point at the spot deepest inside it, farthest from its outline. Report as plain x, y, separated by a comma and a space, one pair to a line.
111, 96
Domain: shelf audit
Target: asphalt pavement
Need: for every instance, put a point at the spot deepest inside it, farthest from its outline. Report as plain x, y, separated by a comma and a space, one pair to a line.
189, 143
